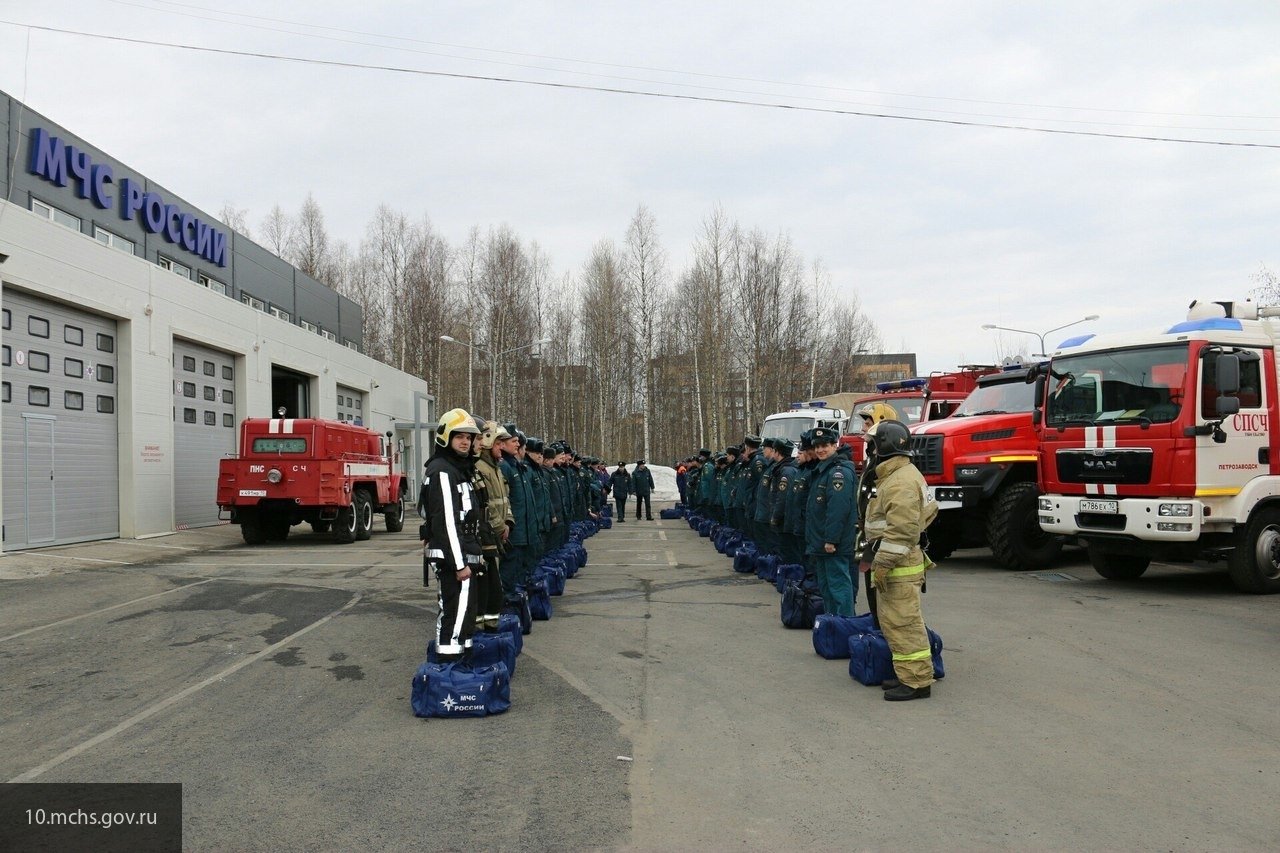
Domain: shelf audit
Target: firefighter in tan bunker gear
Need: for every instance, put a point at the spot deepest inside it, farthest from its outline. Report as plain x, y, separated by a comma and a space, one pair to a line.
898, 512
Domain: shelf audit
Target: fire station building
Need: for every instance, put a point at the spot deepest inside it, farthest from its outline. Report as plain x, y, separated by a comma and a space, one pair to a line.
138, 331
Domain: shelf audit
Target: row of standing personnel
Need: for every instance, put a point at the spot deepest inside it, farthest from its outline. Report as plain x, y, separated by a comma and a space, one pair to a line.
813, 510
493, 503
804, 509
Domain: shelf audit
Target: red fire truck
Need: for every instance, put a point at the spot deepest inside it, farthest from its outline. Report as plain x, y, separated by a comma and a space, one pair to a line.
1159, 445
926, 398
331, 474
981, 465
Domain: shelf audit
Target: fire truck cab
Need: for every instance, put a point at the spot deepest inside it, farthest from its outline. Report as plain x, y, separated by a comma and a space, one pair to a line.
802, 417
1158, 445
332, 474
981, 465
925, 398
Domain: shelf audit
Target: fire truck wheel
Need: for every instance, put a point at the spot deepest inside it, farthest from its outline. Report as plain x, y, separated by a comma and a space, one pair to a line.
1254, 563
344, 526
944, 537
1117, 567
1013, 530
364, 514
321, 526
251, 527
277, 527
395, 516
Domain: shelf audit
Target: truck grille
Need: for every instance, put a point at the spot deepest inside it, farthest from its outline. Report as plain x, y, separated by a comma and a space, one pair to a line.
1125, 465
926, 453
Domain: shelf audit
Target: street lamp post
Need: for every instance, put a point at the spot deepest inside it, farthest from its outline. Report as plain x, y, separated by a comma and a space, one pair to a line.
493, 362
1041, 335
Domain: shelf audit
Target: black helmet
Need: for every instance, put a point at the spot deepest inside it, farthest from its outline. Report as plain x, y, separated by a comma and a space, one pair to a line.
892, 439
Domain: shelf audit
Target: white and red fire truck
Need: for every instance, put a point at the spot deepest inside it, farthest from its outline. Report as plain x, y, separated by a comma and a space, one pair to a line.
331, 474
1159, 445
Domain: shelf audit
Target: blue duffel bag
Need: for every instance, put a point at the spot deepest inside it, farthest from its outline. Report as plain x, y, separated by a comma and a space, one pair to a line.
767, 567
551, 572
704, 527
871, 662
510, 623
831, 633
800, 605
539, 600
669, 514
517, 604
456, 690
745, 560
607, 511
694, 520
722, 539
490, 647
606, 523
565, 559
788, 572
579, 554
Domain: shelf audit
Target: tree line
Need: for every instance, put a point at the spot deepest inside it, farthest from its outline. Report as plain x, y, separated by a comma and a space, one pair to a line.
640, 361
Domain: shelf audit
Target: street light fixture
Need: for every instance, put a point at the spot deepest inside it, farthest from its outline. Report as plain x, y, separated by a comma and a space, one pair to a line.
493, 361
1041, 335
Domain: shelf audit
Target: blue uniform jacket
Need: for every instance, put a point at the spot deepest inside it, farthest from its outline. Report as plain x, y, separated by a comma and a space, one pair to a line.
831, 512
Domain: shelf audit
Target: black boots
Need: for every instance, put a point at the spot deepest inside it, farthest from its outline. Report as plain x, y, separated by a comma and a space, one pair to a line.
889, 683
903, 693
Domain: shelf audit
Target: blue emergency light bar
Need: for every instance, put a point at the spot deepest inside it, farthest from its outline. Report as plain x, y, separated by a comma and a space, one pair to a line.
818, 404
902, 384
1076, 341
1209, 324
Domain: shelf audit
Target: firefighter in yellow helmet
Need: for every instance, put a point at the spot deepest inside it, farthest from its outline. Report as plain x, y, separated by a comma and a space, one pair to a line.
451, 532
898, 512
874, 413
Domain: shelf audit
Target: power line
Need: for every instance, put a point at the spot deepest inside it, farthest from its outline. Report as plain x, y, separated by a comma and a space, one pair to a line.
660, 69
639, 92
595, 74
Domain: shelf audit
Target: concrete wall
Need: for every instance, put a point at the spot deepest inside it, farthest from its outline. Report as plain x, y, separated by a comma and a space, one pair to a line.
152, 306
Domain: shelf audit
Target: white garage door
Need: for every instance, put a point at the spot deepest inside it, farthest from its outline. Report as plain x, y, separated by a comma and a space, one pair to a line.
204, 429
61, 466
350, 404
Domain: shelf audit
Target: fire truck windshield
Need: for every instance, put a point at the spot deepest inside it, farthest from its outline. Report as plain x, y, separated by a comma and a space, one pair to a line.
1140, 385
787, 427
279, 445
998, 399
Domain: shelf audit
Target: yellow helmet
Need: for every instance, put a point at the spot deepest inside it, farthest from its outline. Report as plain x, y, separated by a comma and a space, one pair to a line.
454, 420
878, 412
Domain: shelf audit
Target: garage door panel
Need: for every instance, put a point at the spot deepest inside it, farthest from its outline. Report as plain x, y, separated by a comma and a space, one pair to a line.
204, 415
61, 363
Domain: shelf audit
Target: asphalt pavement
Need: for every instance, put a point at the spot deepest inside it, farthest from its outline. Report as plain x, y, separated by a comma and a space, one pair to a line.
662, 707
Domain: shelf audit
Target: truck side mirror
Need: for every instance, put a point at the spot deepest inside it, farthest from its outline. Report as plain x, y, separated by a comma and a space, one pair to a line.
1227, 406
1228, 368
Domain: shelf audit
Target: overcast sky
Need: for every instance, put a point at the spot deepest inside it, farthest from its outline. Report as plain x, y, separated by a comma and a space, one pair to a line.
937, 228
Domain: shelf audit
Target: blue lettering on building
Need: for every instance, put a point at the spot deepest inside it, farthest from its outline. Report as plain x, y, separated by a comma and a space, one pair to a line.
60, 164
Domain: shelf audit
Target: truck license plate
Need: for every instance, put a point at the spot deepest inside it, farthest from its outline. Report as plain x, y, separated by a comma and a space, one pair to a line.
1111, 507
262, 493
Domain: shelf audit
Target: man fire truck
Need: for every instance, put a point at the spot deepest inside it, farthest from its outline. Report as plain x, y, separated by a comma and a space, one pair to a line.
1159, 445
332, 474
981, 466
